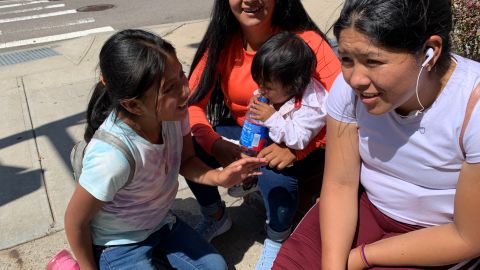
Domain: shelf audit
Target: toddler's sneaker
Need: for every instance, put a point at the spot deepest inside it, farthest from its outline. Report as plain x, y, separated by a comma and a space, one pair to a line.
269, 253
210, 228
241, 190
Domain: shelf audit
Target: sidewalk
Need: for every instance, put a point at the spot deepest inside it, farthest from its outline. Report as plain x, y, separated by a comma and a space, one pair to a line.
42, 112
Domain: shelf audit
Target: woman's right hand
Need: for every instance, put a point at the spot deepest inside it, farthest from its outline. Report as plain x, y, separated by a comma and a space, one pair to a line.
226, 152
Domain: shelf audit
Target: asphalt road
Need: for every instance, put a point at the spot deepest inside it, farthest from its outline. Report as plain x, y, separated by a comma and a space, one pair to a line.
27, 23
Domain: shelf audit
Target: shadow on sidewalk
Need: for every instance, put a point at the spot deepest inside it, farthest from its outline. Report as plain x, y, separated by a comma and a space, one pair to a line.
17, 181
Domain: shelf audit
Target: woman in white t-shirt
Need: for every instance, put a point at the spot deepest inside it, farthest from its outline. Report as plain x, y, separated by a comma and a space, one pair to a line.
395, 119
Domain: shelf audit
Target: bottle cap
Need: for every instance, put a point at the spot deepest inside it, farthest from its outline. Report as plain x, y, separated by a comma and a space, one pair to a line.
262, 99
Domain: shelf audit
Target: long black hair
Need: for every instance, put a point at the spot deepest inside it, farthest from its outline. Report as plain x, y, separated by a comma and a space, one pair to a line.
288, 15
400, 24
131, 62
287, 59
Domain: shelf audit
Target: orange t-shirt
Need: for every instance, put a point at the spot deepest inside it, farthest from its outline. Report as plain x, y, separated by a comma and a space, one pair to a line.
234, 71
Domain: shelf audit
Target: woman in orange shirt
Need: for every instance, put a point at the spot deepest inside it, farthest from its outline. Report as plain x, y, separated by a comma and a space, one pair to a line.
221, 81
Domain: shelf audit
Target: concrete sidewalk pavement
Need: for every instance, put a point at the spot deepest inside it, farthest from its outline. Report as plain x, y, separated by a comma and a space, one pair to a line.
43, 109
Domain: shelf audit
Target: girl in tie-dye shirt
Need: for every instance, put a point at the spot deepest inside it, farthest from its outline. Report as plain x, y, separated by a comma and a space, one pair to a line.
141, 99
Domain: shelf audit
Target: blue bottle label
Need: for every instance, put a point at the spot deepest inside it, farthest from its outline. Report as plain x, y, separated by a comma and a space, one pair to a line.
253, 136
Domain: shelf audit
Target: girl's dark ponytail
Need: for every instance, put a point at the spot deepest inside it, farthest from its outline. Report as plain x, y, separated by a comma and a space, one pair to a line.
98, 109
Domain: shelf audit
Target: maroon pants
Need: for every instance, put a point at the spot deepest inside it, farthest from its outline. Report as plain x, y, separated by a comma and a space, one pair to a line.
303, 250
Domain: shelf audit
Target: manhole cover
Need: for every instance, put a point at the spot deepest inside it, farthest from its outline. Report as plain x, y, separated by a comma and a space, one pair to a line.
95, 8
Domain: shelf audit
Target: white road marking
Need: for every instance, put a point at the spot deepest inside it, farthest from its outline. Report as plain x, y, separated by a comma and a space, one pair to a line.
37, 16
6, 1
45, 39
31, 9
24, 4
77, 22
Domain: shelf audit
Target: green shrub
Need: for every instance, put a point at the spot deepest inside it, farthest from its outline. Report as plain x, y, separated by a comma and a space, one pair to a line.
466, 28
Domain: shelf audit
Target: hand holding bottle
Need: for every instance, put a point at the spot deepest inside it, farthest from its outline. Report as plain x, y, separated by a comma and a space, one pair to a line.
261, 110
254, 135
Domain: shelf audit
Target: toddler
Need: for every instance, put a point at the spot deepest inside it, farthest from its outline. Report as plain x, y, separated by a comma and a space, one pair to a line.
295, 113
283, 69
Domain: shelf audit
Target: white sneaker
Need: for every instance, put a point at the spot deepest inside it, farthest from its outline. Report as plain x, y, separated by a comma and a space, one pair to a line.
269, 253
241, 190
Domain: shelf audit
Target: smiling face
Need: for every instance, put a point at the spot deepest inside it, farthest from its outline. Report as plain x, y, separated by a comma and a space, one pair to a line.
253, 13
383, 79
169, 103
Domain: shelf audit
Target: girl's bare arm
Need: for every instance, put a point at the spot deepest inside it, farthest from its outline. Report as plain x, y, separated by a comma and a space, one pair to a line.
195, 169
80, 211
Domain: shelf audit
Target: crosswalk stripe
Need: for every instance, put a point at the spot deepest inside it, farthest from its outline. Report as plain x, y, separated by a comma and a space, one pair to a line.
45, 39
31, 9
24, 4
34, 29
37, 16
10, 1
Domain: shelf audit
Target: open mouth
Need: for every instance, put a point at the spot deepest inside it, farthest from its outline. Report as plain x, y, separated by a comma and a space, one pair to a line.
252, 10
369, 95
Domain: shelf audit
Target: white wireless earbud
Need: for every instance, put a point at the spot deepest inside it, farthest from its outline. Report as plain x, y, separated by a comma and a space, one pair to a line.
428, 57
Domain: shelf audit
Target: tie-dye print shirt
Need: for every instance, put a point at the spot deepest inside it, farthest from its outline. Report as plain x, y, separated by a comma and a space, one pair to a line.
133, 212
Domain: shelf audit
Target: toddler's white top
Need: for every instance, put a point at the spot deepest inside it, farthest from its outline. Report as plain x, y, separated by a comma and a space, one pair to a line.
296, 127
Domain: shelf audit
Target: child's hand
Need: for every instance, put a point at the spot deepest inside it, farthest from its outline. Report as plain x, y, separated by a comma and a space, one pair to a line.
261, 111
239, 170
252, 100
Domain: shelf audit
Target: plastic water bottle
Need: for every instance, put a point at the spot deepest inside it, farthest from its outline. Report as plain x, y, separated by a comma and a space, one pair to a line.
63, 260
254, 134
253, 138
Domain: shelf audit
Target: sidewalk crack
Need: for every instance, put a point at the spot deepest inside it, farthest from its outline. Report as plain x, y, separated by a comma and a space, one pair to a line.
21, 84
87, 50
174, 29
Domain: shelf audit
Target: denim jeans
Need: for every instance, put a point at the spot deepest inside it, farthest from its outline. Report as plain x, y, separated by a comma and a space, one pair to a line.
279, 188
179, 247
